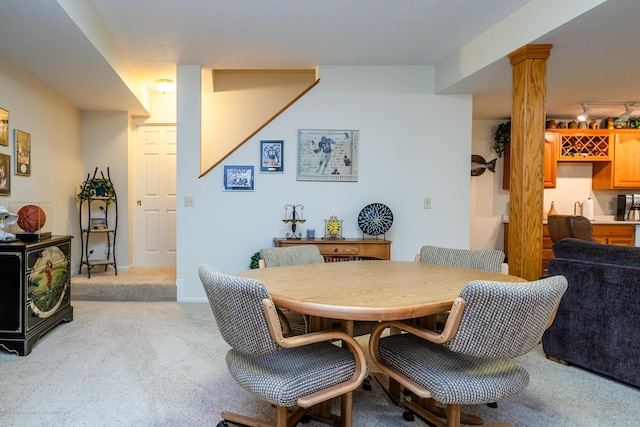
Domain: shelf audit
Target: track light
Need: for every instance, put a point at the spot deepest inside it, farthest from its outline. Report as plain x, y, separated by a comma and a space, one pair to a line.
585, 114
625, 116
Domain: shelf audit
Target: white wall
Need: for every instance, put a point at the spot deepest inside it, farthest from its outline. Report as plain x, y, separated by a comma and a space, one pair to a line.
106, 139
56, 148
413, 144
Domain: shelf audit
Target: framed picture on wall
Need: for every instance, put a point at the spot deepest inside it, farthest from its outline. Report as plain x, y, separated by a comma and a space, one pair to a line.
4, 127
271, 156
238, 178
328, 155
5, 175
23, 153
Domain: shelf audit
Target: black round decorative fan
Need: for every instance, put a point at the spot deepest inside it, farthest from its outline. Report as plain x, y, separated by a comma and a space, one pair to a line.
375, 219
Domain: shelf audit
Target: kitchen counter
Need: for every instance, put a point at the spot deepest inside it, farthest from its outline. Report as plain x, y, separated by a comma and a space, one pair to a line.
604, 219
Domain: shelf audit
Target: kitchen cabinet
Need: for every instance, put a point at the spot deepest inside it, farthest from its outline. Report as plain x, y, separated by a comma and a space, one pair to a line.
593, 145
618, 234
550, 162
623, 171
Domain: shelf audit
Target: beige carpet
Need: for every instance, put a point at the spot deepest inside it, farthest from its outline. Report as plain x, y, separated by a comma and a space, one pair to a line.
138, 284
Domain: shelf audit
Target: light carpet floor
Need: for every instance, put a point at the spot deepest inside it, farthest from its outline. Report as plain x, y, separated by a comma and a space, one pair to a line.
162, 364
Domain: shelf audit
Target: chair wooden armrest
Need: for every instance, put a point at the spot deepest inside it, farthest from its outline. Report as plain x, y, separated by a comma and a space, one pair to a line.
301, 340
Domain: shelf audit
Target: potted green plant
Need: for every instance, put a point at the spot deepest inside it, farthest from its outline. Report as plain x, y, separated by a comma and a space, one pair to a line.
502, 137
96, 187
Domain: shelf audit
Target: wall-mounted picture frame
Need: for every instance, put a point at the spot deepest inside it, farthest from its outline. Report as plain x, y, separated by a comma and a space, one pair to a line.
5, 175
272, 156
238, 178
4, 127
328, 155
23, 153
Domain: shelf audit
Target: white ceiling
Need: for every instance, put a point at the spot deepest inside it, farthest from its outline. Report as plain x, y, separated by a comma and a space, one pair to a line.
594, 57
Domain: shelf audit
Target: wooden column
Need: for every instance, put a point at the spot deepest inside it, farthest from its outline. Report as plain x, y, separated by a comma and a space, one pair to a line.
529, 65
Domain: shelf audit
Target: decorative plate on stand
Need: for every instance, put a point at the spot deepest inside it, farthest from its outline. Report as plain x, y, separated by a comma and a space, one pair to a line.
375, 219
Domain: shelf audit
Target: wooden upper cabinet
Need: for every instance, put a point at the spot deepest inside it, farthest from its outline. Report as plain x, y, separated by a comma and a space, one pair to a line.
550, 159
550, 162
589, 145
623, 172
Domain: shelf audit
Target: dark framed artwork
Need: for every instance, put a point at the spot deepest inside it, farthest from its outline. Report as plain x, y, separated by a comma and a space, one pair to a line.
4, 127
23, 153
238, 178
5, 175
271, 156
328, 155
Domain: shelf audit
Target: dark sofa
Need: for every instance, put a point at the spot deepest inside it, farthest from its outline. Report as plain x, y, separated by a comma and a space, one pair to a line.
598, 322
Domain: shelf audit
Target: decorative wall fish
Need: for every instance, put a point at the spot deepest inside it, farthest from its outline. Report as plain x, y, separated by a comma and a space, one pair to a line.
479, 165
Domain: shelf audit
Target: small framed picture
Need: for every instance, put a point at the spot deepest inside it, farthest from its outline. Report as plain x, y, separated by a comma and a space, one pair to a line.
238, 178
5, 175
23, 153
4, 127
98, 223
271, 156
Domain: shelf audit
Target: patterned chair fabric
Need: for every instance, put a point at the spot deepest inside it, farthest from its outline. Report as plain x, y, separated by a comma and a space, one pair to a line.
291, 255
499, 321
279, 375
488, 260
297, 255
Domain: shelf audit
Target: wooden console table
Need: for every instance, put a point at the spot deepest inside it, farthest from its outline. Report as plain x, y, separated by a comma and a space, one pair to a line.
343, 248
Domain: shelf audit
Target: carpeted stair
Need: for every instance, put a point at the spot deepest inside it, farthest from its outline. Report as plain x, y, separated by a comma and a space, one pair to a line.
138, 284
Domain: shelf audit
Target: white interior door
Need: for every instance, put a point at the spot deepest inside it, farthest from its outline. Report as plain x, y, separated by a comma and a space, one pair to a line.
155, 210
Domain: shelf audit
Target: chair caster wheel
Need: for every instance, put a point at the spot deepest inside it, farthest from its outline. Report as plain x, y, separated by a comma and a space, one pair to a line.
492, 405
222, 424
305, 419
408, 416
366, 385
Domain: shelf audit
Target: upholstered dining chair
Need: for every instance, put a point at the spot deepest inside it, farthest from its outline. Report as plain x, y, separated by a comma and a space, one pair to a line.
298, 371
488, 260
297, 255
291, 255
566, 226
470, 361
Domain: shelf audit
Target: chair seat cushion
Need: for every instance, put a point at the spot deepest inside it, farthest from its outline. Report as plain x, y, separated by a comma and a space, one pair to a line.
453, 378
281, 378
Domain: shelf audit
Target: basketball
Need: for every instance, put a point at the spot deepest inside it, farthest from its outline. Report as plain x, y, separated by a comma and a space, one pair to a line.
31, 218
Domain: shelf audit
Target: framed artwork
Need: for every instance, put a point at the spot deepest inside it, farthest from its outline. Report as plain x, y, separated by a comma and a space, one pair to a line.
23, 153
5, 175
271, 156
4, 127
328, 155
238, 178
98, 223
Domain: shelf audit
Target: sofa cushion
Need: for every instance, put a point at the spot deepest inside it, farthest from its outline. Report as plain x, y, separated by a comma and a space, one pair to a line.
596, 252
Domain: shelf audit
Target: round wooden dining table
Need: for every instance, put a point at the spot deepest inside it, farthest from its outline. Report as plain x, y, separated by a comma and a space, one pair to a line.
369, 290
372, 290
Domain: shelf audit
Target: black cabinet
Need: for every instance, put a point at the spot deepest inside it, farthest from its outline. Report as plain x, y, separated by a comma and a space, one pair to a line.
36, 291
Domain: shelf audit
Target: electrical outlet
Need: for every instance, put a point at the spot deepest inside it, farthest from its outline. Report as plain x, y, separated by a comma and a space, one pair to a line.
189, 201
427, 202
610, 205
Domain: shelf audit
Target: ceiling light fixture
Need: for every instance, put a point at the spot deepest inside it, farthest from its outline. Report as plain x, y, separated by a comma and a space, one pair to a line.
165, 85
624, 116
585, 113
627, 113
